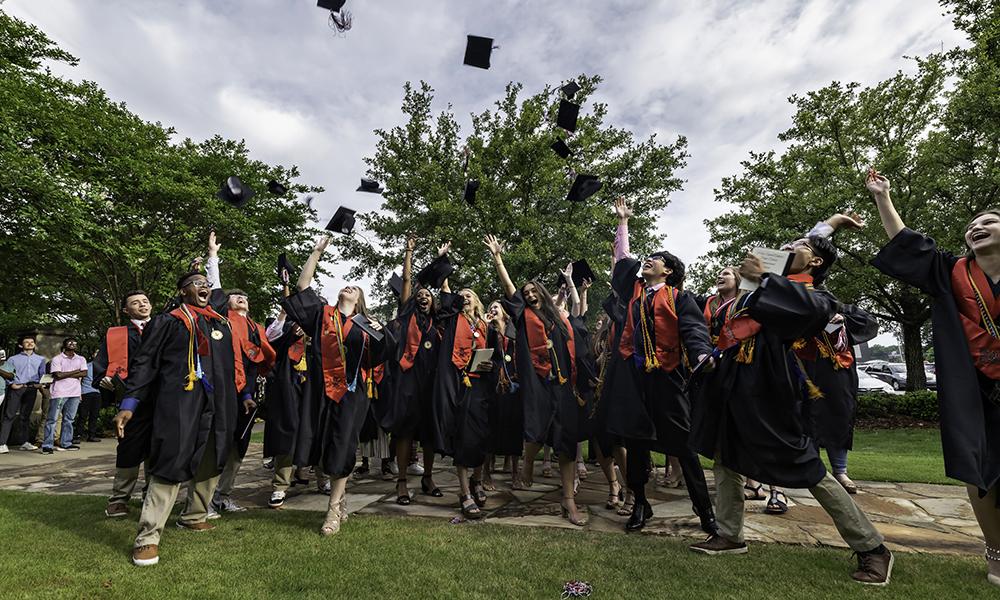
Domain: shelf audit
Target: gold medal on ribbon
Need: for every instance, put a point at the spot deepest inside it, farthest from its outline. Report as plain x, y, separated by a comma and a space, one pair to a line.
427, 345
548, 344
506, 357
216, 334
475, 334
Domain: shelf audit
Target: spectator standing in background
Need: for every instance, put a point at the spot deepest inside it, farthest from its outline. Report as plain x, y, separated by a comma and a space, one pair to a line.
90, 407
28, 369
68, 369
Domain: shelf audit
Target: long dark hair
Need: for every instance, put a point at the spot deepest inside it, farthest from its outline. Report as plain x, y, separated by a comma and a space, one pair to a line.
988, 211
546, 306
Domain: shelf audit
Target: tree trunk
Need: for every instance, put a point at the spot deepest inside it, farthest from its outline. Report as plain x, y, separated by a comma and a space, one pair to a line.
913, 355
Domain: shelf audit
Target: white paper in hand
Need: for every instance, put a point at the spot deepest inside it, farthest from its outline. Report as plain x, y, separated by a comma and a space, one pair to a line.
482, 360
774, 261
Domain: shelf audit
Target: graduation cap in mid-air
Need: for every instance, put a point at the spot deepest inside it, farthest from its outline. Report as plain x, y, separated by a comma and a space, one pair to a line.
560, 148
342, 221
370, 185
584, 186
434, 274
471, 187
333, 5
396, 284
570, 89
285, 269
276, 188
477, 51
567, 115
234, 192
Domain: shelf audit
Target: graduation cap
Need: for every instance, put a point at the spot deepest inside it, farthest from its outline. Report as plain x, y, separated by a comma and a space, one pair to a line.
477, 51
276, 188
285, 269
471, 187
581, 271
568, 113
370, 185
560, 148
366, 325
342, 221
584, 186
333, 5
396, 284
434, 274
570, 89
234, 192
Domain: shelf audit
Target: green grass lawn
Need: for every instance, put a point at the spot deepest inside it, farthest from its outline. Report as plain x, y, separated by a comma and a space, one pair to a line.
63, 547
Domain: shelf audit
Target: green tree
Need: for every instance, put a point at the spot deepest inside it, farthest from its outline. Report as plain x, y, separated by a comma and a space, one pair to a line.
522, 198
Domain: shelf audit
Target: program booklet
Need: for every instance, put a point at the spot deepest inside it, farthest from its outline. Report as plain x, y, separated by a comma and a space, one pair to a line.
774, 261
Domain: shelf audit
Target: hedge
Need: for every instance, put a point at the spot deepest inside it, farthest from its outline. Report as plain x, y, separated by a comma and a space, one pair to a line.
922, 405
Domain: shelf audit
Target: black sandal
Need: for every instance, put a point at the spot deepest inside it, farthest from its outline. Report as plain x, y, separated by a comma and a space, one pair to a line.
425, 489
401, 499
478, 493
776, 506
757, 493
469, 511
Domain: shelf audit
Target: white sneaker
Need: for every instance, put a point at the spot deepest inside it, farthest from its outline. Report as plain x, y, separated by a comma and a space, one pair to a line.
393, 468
4, 449
277, 499
415, 469
28, 446
59, 449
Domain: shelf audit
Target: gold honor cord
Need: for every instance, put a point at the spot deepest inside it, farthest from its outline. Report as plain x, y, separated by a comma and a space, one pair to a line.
988, 323
192, 334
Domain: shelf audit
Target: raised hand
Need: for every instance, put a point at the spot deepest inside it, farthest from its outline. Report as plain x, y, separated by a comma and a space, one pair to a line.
491, 241
851, 220
213, 246
585, 285
751, 269
877, 184
568, 273
622, 208
444, 248
411, 242
321, 243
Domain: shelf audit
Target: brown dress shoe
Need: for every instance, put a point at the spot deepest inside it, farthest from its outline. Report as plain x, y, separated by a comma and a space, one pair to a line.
146, 555
874, 568
116, 509
717, 544
201, 526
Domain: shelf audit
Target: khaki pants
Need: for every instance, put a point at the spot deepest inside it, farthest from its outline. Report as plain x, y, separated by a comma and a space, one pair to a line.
124, 484
284, 470
38, 414
162, 494
228, 478
852, 524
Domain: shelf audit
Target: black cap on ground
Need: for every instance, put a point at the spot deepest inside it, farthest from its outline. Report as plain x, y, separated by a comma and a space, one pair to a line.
584, 186
570, 89
477, 51
568, 113
234, 192
342, 221
434, 274
471, 187
276, 188
370, 186
560, 148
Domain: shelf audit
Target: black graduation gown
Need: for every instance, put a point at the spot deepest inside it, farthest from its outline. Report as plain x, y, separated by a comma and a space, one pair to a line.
183, 419
970, 421
286, 387
749, 416
328, 429
133, 448
830, 420
614, 375
405, 408
586, 370
654, 406
506, 407
460, 413
552, 414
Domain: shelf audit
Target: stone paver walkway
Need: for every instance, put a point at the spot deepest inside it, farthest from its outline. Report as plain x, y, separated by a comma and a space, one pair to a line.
913, 517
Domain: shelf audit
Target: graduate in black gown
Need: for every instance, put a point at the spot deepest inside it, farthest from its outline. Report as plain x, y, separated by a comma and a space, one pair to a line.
506, 407
748, 414
663, 332
410, 367
185, 369
546, 363
344, 367
966, 307
117, 352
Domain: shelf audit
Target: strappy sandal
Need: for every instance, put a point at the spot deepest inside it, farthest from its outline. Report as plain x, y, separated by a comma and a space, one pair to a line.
488, 484
546, 469
402, 499
579, 522
478, 493
777, 505
331, 524
342, 507
615, 498
581, 471
757, 493
469, 511
627, 508
426, 489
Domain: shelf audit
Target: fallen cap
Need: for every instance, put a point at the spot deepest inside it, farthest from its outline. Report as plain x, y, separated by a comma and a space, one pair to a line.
477, 51
584, 186
568, 113
234, 192
370, 185
471, 187
434, 274
342, 221
560, 148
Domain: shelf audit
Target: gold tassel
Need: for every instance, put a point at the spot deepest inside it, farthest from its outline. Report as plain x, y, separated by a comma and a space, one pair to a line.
371, 388
301, 365
466, 381
814, 392
562, 380
745, 354
580, 400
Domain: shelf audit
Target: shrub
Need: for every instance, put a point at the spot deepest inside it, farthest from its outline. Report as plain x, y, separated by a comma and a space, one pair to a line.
920, 405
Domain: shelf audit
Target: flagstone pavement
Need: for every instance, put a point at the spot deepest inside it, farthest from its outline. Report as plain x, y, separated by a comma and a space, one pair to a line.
913, 517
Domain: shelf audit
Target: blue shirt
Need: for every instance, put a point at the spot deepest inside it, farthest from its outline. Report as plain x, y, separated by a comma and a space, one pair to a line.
27, 368
87, 383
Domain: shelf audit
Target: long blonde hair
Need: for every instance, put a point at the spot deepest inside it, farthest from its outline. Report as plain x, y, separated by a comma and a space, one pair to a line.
478, 312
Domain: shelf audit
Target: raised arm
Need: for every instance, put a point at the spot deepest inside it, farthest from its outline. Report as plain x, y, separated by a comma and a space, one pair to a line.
309, 269
580, 308
212, 264
878, 185
571, 291
496, 249
404, 295
620, 249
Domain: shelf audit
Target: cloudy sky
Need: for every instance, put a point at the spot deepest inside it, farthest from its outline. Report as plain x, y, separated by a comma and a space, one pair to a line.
273, 72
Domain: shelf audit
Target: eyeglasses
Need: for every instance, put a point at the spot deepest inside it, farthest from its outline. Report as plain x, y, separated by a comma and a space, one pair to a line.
799, 244
200, 283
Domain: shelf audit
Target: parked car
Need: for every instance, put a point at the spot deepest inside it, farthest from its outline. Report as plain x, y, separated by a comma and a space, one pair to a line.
868, 384
895, 375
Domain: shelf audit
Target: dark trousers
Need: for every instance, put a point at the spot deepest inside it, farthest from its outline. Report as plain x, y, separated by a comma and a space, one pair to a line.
639, 463
88, 416
17, 408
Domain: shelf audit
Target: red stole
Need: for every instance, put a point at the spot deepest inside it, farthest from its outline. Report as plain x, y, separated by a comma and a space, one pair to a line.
334, 352
412, 344
667, 350
541, 350
117, 343
466, 341
296, 350
263, 355
974, 297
